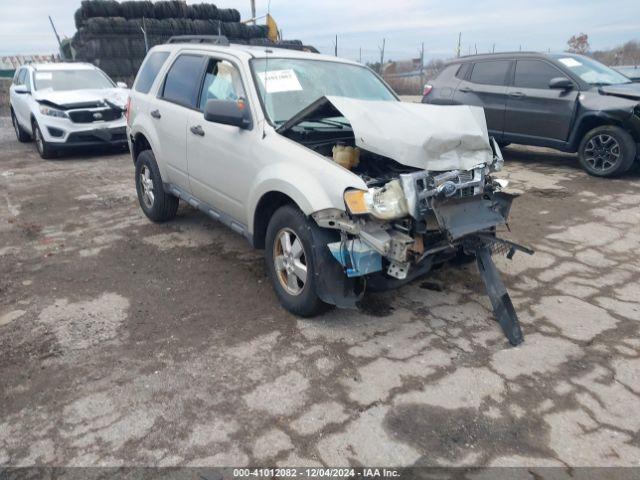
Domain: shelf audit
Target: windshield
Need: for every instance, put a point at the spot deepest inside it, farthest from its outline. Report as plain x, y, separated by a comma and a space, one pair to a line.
293, 84
62, 80
591, 71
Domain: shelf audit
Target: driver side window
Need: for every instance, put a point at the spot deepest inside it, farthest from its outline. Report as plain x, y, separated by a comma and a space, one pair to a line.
222, 81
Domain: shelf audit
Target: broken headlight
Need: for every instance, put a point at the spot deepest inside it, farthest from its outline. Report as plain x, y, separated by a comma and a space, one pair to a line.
386, 203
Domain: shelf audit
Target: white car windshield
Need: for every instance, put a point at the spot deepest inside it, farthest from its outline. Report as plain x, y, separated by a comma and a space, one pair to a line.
288, 85
591, 71
62, 80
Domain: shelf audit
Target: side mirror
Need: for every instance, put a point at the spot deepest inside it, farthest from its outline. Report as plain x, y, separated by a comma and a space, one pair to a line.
21, 89
228, 112
121, 85
561, 83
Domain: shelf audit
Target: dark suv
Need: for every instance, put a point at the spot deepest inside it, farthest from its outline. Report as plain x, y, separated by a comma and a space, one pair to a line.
568, 102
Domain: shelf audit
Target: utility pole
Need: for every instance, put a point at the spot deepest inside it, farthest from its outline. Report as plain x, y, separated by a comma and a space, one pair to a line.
384, 41
459, 42
493, 48
57, 38
422, 63
360, 55
335, 47
476, 47
253, 10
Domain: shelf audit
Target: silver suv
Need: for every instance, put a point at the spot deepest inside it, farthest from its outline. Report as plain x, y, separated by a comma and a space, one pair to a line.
315, 159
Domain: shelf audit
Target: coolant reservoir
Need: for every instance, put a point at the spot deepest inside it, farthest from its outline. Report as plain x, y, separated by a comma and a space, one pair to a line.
346, 156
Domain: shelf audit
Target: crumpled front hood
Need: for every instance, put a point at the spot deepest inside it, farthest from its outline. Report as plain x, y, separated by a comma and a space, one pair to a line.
428, 137
626, 90
83, 98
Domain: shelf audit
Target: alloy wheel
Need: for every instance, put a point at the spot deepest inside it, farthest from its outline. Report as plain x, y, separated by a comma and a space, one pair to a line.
290, 261
146, 184
38, 137
602, 152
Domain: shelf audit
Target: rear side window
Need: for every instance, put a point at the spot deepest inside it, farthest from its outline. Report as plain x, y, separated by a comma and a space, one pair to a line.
462, 71
534, 74
182, 83
490, 73
149, 71
449, 72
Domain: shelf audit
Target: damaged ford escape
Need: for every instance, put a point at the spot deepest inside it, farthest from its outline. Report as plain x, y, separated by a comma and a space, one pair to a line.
315, 160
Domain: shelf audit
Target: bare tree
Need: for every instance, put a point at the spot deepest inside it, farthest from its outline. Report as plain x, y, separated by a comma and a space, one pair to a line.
578, 43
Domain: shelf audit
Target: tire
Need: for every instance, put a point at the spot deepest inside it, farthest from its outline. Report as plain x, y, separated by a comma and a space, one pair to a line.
607, 151
297, 296
21, 134
158, 205
44, 148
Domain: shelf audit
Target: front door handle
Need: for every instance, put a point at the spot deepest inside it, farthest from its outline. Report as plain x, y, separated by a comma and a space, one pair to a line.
155, 114
197, 130
517, 94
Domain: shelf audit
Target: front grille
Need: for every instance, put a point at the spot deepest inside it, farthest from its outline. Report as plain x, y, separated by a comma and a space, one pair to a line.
90, 116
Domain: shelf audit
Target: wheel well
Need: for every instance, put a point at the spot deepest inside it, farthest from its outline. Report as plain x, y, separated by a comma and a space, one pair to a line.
267, 206
590, 123
140, 144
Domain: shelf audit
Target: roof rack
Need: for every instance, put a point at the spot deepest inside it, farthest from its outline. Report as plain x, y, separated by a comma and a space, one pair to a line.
212, 39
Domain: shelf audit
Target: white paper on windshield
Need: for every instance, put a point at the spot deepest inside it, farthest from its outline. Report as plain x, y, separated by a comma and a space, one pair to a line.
570, 62
277, 81
44, 75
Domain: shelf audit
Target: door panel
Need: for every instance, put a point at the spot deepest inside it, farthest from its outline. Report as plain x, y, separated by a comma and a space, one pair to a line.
220, 157
171, 124
220, 166
535, 111
21, 100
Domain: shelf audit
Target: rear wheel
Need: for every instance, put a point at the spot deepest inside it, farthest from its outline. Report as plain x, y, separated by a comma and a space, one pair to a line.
21, 134
44, 148
290, 261
607, 151
158, 205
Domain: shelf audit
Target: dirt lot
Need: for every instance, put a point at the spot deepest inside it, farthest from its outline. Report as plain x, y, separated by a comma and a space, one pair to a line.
125, 342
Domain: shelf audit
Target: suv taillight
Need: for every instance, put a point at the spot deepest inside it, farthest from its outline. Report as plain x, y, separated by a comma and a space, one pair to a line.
127, 110
427, 90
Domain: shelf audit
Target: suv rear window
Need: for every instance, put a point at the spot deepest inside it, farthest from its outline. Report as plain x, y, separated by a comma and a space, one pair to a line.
534, 74
149, 71
182, 84
490, 73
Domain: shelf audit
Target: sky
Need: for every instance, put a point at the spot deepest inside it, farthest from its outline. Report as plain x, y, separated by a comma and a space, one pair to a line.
362, 24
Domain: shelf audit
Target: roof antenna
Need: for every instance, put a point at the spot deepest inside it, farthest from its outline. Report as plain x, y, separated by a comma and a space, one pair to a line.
266, 68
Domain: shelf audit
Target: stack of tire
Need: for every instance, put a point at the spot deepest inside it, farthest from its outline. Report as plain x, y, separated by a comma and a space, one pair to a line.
110, 33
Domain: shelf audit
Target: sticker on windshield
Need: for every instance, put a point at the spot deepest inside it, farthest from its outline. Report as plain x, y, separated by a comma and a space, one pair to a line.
44, 75
569, 62
280, 81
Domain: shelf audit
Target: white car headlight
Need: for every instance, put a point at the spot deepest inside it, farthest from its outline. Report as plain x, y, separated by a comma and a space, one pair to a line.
52, 112
386, 203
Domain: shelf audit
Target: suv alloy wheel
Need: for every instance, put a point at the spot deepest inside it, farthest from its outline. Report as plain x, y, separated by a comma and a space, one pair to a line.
607, 151
290, 261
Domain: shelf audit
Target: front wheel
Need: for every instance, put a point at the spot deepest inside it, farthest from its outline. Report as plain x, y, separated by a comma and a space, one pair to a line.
44, 148
290, 261
158, 205
607, 151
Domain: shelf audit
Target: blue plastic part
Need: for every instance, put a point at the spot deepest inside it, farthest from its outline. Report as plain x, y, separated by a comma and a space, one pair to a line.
356, 257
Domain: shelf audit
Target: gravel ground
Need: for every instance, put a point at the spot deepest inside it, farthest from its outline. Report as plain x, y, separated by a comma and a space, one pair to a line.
128, 343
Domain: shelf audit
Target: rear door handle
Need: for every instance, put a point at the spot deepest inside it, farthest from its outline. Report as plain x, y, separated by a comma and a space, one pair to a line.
155, 114
466, 89
197, 130
517, 94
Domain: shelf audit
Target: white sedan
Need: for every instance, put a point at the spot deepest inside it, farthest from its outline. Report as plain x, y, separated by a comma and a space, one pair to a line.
67, 105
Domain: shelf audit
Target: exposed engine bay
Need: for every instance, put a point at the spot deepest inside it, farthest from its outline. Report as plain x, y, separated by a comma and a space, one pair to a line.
410, 218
